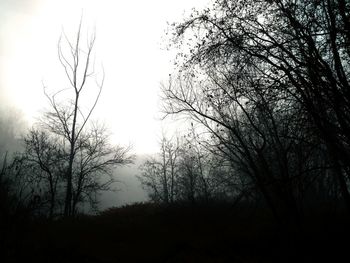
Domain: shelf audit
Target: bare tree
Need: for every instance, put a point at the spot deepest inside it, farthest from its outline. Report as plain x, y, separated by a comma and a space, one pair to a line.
94, 165
160, 174
63, 119
17, 188
184, 171
88, 152
47, 157
294, 51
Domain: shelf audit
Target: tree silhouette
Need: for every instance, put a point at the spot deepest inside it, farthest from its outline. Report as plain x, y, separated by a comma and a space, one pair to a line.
47, 158
184, 171
268, 80
160, 174
88, 154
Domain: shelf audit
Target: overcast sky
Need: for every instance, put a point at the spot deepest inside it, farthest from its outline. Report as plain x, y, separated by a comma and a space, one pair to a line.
129, 43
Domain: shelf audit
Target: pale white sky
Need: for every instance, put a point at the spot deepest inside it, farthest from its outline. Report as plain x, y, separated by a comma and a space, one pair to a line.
129, 44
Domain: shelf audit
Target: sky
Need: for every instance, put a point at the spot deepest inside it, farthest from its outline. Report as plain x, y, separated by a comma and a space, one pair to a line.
130, 45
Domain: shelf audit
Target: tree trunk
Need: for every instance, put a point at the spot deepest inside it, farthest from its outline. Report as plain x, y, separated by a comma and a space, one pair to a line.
68, 200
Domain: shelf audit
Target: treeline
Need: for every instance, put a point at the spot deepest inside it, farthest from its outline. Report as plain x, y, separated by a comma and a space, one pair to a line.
35, 178
266, 83
184, 171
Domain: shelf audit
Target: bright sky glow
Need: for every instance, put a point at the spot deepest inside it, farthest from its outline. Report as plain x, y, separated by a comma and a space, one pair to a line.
128, 43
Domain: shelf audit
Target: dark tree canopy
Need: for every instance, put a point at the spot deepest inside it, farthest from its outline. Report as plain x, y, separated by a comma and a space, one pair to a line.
269, 80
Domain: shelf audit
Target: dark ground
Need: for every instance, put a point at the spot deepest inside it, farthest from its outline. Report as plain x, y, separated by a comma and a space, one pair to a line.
149, 233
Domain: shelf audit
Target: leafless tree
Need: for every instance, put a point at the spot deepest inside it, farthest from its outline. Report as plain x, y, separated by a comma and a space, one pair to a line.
46, 156
294, 52
159, 174
94, 165
17, 188
88, 152
184, 171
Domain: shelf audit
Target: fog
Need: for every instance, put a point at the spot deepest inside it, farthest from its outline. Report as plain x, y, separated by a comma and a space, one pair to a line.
174, 131
12, 126
128, 189
130, 50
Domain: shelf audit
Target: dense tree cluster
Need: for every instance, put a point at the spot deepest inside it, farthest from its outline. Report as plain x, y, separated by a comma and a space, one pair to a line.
183, 171
269, 81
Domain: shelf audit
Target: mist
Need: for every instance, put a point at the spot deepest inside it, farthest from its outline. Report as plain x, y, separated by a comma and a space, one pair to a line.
174, 131
128, 189
12, 127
